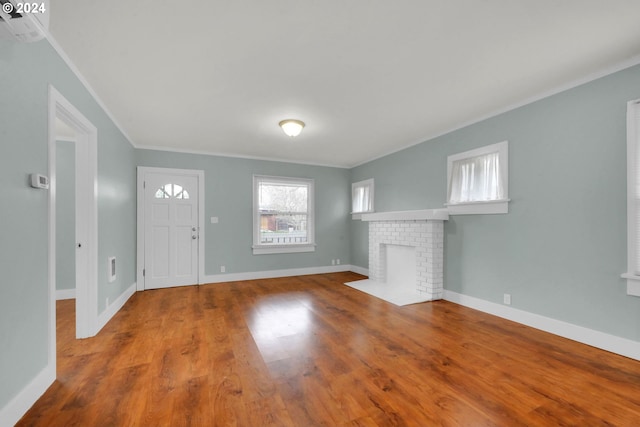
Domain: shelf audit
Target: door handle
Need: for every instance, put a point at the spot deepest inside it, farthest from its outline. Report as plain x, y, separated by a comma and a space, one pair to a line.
194, 237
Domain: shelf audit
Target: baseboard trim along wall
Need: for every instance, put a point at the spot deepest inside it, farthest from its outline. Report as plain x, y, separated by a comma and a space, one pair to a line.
115, 306
270, 274
360, 270
65, 294
20, 404
612, 343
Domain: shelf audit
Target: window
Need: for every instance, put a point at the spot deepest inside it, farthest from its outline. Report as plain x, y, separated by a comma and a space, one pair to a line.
172, 190
282, 215
477, 181
362, 197
633, 198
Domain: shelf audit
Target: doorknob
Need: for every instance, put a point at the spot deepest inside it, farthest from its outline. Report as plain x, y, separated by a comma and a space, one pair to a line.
194, 237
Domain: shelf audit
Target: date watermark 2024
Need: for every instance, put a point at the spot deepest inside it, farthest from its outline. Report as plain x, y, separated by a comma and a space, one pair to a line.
23, 8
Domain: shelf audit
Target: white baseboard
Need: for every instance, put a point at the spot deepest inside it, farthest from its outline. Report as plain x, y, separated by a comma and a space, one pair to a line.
612, 343
65, 294
269, 274
115, 306
20, 404
360, 270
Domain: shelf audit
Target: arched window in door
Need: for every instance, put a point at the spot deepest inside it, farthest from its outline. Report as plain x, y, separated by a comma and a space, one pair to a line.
172, 190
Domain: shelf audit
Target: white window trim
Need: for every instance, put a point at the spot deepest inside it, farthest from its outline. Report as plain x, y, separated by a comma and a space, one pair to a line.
262, 249
482, 207
367, 182
633, 168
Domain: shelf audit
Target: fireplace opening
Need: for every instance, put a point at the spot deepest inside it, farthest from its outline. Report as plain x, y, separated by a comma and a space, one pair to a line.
400, 266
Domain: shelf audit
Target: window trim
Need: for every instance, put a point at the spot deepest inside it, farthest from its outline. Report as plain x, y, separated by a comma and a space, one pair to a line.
371, 184
500, 206
262, 249
633, 169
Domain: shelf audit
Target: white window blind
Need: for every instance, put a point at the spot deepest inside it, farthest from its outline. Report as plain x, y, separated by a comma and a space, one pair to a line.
362, 196
477, 180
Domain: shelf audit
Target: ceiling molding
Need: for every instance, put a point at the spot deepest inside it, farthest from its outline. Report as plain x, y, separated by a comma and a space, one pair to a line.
631, 62
56, 46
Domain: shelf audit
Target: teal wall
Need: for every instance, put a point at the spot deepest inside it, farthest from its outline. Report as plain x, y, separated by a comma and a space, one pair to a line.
229, 189
65, 215
26, 70
562, 247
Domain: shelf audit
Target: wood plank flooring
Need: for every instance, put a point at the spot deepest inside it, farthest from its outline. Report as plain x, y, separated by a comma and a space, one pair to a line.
309, 351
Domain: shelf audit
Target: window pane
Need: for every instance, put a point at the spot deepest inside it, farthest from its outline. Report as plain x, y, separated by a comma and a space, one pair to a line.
171, 190
362, 197
283, 209
476, 179
282, 197
280, 229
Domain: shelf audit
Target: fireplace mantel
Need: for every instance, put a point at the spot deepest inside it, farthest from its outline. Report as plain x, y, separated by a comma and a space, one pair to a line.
421, 215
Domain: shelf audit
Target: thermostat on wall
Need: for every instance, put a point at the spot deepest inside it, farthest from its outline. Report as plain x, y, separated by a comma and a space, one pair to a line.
39, 181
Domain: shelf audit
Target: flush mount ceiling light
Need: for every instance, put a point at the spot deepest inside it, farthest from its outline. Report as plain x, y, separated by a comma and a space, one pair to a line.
292, 127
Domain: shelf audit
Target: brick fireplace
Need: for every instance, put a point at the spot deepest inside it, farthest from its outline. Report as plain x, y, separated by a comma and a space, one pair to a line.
422, 230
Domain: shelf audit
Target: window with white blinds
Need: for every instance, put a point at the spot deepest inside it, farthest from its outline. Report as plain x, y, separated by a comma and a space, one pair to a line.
477, 180
633, 198
362, 196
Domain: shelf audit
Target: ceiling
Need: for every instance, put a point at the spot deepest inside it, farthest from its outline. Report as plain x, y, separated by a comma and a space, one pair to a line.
368, 77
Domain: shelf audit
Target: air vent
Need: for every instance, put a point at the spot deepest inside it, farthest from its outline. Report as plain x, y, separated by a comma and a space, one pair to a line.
23, 27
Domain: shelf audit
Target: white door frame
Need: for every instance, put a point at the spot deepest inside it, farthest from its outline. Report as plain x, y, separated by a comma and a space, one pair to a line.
86, 147
142, 170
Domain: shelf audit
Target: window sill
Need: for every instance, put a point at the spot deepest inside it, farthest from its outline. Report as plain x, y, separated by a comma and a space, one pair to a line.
475, 208
282, 249
633, 284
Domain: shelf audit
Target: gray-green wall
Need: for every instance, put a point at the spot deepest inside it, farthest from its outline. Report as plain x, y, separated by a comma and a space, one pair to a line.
26, 70
229, 189
65, 215
562, 247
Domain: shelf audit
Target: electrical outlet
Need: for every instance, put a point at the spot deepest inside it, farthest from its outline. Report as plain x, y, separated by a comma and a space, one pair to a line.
338, 261
223, 269
333, 262
107, 302
507, 299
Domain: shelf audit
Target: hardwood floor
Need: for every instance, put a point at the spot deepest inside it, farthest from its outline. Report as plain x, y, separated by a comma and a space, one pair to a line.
309, 351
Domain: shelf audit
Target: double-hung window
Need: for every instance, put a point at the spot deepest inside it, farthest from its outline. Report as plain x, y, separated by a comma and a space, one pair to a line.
633, 198
362, 197
282, 215
477, 180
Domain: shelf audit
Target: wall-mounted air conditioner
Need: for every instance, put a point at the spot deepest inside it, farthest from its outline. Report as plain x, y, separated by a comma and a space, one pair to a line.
22, 21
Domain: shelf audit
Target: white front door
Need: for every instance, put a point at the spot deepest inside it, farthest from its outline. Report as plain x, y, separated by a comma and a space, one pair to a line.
171, 228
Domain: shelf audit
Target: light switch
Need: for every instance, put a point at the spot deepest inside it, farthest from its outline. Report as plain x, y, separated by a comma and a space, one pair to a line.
214, 220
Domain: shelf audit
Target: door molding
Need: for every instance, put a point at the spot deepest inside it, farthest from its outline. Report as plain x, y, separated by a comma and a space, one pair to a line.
140, 255
86, 148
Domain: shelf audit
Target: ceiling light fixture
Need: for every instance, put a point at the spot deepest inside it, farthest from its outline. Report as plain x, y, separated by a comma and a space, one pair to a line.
292, 127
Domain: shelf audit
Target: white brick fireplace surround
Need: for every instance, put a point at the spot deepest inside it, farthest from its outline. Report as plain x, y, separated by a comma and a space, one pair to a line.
422, 230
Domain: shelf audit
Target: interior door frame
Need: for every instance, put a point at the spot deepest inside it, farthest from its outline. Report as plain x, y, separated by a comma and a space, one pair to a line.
140, 256
86, 226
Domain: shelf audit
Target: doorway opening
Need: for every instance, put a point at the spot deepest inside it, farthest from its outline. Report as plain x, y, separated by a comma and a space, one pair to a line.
66, 122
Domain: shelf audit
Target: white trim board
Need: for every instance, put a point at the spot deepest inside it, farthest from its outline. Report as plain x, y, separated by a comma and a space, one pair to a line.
360, 270
270, 274
65, 294
20, 404
601, 340
115, 306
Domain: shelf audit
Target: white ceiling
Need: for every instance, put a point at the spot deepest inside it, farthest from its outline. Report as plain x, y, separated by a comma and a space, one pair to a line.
368, 77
